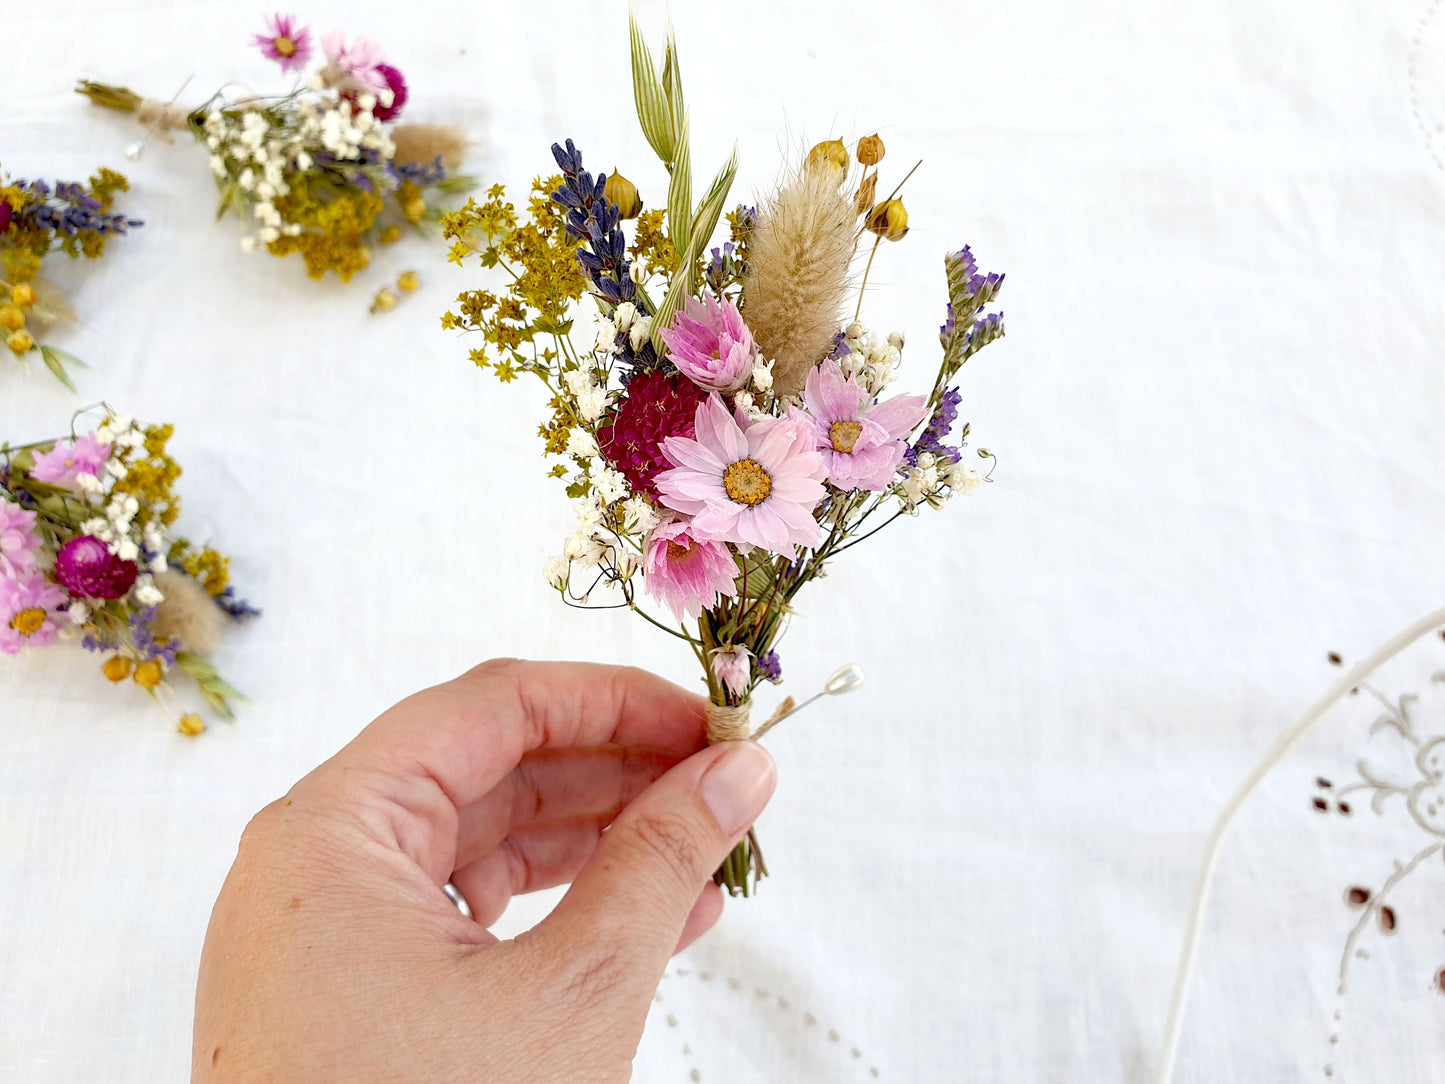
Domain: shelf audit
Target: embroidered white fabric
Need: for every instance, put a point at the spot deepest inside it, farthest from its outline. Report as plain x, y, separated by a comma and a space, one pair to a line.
1217, 421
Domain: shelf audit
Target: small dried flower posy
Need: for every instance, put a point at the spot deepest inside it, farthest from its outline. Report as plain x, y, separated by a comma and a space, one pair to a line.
321, 170
36, 219
729, 428
86, 550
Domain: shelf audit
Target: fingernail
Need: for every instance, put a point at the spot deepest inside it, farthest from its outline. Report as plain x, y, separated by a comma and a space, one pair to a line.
738, 785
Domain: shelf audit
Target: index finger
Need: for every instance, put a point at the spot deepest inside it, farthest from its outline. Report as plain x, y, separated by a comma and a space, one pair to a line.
467, 734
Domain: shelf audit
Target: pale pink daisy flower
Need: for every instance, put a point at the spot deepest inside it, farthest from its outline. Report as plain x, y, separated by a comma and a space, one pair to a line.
361, 61
285, 42
753, 482
860, 440
710, 344
70, 458
686, 573
29, 609
733, 666
18, 540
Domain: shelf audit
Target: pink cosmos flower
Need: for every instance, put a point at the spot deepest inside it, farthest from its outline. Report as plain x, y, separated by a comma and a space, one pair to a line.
285, 42
858, 438
710, 344
733, 666
69, 458
754, 482
361, 61
29, 608
685, 573
18, 542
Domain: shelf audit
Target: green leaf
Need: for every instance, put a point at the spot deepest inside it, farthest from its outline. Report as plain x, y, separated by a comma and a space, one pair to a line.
672, 87
684, 280
652, 111
53, 362
679, 193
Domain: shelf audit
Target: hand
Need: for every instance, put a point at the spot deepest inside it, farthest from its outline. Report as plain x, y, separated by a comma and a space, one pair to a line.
334, 955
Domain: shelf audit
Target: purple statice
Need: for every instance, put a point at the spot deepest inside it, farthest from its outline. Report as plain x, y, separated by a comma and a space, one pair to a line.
238, 608
146, 645
421, 175
840, 346
596, 221
69, 209
770, 667
936, 432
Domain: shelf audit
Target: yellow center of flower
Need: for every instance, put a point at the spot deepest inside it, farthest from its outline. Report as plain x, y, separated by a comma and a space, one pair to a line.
285, 46
844, 435
746, 482
28, 622
677, 550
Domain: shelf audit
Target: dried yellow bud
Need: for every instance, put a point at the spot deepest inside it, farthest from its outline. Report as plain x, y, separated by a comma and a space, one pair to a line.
191, 725
867, 192
408, 281
117, 668
384, 301
831, 153
23, 294
149, 674
390, 235
414, 209
889, 220
20, 341
870, 150
623, 192
11, 318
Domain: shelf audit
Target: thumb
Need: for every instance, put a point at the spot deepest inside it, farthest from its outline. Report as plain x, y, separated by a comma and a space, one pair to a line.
622, 918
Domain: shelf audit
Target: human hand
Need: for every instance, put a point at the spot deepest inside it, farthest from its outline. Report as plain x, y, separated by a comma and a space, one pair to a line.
333, 953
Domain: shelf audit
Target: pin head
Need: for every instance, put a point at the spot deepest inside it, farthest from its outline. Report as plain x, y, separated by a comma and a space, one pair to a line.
844, 680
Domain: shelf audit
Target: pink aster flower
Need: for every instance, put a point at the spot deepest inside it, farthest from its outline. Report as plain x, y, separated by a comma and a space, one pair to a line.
733, 666
858, 438
18, 542
29, 609
360, 61
285, 42
710, 344
754, 482
685, 573
70, 458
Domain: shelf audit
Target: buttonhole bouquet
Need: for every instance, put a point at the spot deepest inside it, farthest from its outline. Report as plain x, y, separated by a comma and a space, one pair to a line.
323, 169
729, 427
38, 218
87, 551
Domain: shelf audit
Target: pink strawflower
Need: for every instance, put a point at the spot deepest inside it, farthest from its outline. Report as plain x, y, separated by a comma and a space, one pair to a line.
397, 85
858, 438
29, 609
285, 42
69, 459
18, 542
361, 61
710, 344
87, 569
685, 573
733, 666
753, 482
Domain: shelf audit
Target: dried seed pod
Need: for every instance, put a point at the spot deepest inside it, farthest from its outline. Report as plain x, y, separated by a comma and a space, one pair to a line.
830, 152
889, 220
870, 150
621, 191
867, 192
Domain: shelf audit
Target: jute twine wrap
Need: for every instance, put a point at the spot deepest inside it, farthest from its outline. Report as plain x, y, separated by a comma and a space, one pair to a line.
727, 723
162, 115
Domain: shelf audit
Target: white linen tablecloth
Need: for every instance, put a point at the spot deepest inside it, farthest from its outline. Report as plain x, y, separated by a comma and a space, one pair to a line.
1217, 420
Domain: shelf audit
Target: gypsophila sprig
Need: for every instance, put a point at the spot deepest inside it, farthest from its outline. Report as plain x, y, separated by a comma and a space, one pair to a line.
36, 219
322, 170
87, 553
722, 419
